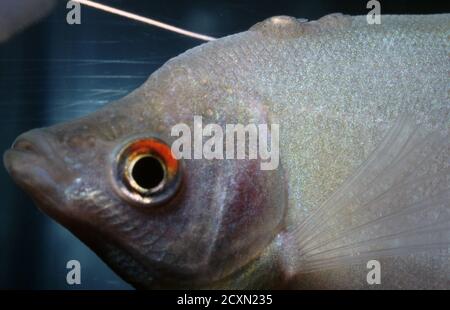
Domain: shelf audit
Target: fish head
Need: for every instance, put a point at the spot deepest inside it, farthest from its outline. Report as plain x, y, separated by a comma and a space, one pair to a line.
158, 221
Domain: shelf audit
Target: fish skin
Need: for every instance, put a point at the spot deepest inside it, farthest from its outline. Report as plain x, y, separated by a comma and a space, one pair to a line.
336, 86
17, 15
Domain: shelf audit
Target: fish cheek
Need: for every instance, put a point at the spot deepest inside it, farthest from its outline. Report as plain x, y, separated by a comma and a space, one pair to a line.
254, 215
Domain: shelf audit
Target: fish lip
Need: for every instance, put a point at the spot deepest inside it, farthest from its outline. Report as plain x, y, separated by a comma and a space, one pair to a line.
33, 142
29, 162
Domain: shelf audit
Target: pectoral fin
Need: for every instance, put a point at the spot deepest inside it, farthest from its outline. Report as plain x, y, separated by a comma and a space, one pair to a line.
397, 203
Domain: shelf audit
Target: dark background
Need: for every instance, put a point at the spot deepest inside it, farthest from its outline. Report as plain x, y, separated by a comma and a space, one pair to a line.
54, 72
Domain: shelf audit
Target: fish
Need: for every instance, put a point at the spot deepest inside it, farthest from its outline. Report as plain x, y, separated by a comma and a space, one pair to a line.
17, 15
363, 114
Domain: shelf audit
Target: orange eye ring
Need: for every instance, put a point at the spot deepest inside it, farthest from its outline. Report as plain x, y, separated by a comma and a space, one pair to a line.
146, 172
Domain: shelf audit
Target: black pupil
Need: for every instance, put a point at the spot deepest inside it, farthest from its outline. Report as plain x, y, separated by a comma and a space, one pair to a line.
148, 172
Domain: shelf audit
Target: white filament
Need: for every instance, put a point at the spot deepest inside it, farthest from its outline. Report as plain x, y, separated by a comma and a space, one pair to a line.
144, 20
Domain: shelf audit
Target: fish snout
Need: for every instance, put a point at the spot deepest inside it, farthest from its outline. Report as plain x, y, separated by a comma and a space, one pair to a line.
32, 162
34, 142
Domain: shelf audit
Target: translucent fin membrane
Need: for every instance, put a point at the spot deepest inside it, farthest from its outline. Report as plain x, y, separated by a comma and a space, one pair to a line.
397, 203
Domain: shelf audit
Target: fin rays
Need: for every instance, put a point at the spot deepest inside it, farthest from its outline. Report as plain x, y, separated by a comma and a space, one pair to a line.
398, 202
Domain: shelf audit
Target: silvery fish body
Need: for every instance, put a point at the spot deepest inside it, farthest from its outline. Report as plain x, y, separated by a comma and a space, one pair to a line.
363, 112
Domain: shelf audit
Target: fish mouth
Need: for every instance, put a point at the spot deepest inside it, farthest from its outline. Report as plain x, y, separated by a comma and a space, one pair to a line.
32, 164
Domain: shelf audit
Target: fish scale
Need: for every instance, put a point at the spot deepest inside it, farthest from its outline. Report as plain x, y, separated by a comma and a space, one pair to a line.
364, 144
328, 133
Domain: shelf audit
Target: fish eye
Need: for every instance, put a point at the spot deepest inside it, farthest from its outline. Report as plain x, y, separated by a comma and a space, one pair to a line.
139, 177
146, 172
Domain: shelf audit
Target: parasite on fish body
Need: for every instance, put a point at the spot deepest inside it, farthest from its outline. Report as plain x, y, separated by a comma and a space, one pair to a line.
363, 174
